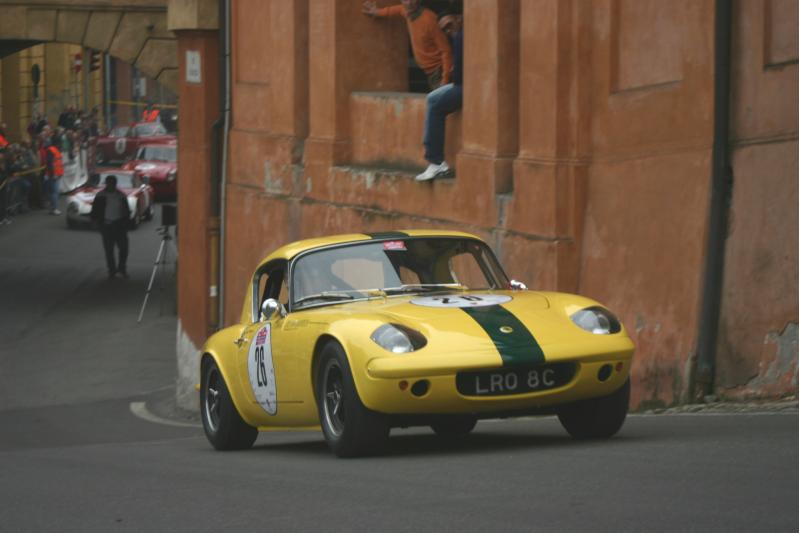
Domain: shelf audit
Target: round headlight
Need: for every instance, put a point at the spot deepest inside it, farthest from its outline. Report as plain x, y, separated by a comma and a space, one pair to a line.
398, 339
596, 320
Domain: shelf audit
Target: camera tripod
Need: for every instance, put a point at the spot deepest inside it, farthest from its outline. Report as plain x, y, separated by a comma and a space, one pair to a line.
160, 261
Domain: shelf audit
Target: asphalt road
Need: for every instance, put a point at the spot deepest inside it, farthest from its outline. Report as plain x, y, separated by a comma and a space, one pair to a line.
73, 456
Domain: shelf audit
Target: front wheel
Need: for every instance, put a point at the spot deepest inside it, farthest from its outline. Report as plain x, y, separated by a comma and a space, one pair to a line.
350, 428
597, 418
224, 427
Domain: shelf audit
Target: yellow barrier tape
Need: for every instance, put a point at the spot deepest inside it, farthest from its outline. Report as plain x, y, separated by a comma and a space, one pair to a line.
20, 174
143, 104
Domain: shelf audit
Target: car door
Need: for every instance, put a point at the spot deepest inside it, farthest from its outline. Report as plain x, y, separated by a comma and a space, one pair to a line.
264, 358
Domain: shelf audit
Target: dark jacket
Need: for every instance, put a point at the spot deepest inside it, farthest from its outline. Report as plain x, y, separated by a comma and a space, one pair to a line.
457, 59
98, 207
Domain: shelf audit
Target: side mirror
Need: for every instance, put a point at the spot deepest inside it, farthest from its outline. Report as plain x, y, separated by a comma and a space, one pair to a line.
270, 307
517, 285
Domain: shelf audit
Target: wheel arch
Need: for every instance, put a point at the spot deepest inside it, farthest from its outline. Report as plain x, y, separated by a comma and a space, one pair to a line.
321, 342
356, 354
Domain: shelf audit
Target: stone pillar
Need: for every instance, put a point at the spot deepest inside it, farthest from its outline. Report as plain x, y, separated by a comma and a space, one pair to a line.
61, 84
11, 97
554, 135
491, 93
194, 24
349, 52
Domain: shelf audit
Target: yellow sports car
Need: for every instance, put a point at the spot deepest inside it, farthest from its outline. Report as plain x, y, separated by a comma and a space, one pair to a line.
361, 333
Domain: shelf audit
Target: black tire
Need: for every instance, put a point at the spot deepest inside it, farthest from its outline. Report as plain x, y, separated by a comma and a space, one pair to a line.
150, 212
454, 427
597, 418
223, 425
350, 429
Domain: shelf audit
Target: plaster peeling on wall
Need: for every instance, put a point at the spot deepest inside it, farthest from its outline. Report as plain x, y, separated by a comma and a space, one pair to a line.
308, 185
370, 179
188, 360
782, 366
271, 184
297, 173
399, 107
641, 325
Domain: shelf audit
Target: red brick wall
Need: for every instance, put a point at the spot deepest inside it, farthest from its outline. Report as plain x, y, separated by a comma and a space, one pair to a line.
583, 151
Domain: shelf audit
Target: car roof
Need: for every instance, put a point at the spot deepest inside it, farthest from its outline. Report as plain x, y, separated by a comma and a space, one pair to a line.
293, 249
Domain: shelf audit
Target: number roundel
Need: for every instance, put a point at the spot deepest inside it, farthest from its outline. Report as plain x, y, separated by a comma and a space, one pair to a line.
467, 300
262, 370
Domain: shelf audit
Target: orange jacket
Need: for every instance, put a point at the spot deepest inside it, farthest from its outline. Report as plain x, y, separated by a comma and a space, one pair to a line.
58, 162
430, 46
150, 116
3, 142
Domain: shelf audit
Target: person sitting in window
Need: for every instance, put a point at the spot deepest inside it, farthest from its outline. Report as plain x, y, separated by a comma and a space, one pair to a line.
430, 47
443, 101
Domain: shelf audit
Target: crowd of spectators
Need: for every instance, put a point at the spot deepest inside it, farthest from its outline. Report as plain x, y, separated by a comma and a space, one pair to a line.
30, 169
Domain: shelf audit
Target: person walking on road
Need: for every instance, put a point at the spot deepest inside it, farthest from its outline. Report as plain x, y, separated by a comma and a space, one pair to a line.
112, 214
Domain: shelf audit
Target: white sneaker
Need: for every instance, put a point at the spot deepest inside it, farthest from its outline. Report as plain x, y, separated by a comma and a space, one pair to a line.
55, 212
432, 171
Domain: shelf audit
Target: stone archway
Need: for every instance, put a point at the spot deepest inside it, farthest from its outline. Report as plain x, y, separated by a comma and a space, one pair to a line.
134, 31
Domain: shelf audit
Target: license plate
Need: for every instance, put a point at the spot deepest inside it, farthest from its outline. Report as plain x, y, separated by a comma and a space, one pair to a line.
518, 380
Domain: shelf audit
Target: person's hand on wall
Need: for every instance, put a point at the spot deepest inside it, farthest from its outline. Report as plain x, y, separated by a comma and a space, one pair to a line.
370, 7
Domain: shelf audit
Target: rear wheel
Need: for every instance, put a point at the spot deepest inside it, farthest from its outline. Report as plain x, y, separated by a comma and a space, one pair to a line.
224, 427
597, 418
454, 427
350, 428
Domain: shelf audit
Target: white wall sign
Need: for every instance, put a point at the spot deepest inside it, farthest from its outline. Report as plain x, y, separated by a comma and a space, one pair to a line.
194, 71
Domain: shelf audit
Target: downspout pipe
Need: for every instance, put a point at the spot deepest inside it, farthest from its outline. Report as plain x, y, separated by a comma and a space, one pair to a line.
224, 26
720, 200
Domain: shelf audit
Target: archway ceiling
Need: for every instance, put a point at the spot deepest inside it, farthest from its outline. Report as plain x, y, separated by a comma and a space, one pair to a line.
133, 31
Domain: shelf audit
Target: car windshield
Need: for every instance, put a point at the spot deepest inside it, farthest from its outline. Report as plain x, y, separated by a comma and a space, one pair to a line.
385, 268
119, 131
149, 130
157, 153
124, 181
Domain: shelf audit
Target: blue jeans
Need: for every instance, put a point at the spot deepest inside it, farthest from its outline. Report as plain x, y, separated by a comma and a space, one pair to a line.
53, 191
440, 103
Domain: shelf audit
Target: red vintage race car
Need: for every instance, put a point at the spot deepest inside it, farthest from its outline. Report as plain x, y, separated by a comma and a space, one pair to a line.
140, 197
122, 142
157, 165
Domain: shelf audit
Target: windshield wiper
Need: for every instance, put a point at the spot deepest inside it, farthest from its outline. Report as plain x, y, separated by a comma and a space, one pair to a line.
423, 287
326, 295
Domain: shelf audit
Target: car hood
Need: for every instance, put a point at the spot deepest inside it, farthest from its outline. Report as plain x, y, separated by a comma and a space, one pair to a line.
461, 322
87, 194
151, 168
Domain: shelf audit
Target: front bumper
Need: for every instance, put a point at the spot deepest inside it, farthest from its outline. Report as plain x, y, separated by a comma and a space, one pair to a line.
381, 388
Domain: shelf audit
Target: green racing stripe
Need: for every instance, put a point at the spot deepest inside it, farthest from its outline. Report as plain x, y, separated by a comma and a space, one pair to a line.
517, 347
